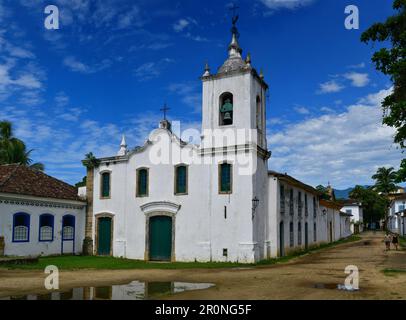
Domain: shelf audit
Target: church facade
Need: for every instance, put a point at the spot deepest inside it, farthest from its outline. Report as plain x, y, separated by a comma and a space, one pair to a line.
176, 201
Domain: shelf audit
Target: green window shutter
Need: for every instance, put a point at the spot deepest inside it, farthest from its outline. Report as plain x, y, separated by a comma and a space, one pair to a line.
225, 178
106, 185
181, 177
143, 182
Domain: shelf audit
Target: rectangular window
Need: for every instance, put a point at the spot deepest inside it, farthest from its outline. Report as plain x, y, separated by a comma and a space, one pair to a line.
299, 234
291, 212
401, 207
299, 204
306, 206
314, 207
105, 185
282, 199
349, 211
181, 179
291, 235
225, 178
142, 182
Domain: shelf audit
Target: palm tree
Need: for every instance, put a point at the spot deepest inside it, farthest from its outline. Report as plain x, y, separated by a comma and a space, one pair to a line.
385, 185
13, 150
385, 180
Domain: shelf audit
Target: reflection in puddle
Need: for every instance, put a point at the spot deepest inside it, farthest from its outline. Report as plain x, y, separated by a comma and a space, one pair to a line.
135, 290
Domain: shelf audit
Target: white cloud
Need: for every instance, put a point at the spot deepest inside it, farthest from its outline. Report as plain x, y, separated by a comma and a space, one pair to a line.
180, 25
77, 66
302, 110
331, 86
357, 66
288, 4
150, 70
189, 93
344, 148
357, 79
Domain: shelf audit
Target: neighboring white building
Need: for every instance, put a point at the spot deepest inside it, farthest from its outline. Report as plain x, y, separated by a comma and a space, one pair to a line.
354, 208
295, 219
216, 201
39, 215
397, 214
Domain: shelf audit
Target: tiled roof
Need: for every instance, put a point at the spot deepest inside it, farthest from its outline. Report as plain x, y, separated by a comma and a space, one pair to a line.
22, 180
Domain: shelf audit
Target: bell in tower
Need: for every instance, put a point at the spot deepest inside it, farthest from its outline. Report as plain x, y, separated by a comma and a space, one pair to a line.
226, 112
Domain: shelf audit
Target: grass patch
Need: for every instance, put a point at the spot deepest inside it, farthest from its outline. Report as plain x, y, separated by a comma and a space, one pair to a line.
402, 242
300, 253
393, 272
111, 263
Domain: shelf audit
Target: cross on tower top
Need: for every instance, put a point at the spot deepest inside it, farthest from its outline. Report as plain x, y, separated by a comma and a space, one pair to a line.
164, 110
234, 19
234, 9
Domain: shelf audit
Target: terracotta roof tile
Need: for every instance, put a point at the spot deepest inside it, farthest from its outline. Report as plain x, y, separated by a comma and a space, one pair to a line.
18, 179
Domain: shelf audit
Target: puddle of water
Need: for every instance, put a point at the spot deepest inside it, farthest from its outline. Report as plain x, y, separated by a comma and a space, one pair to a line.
325, 286
135, 290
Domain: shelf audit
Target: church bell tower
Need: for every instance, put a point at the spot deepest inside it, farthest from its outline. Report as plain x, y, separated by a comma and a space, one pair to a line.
234, 98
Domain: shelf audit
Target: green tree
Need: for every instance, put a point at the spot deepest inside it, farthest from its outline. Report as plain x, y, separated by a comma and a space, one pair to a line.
13, 150
392, 62
91, 161
385, 179
324, 192
374, 205
401, 174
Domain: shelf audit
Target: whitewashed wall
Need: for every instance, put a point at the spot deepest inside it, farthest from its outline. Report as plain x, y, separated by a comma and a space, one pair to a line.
35, 247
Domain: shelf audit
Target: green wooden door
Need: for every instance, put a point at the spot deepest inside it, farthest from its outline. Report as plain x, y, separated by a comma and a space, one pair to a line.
104, 237
160, 238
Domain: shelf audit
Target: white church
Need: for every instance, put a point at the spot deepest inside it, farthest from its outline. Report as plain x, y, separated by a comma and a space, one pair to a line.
172, 200
216, 201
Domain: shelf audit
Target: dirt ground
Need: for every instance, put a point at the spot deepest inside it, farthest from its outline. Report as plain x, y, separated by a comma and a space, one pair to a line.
301, 278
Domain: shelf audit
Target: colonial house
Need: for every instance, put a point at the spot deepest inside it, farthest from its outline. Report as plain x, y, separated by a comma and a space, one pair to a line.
294, 215
354, 208
39, 215
214, 201
397, 214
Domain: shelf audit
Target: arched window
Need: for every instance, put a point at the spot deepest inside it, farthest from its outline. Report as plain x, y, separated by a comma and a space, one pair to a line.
226, 109
68, 227
225, 178
181, 179
105, 185
299, 234
21, 227
46, 227
291, 235
142, 182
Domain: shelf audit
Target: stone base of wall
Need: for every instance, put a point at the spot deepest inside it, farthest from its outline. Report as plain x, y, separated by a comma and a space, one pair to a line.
2, 245
88, 247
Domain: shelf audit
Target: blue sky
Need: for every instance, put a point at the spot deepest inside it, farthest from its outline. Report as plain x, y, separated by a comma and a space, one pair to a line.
113, 63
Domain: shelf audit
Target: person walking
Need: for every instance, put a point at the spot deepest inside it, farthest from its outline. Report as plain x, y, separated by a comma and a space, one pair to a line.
395, 241
387, 241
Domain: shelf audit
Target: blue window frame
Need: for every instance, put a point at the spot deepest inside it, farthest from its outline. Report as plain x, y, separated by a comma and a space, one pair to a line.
46, 227
21, 227
68, 228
